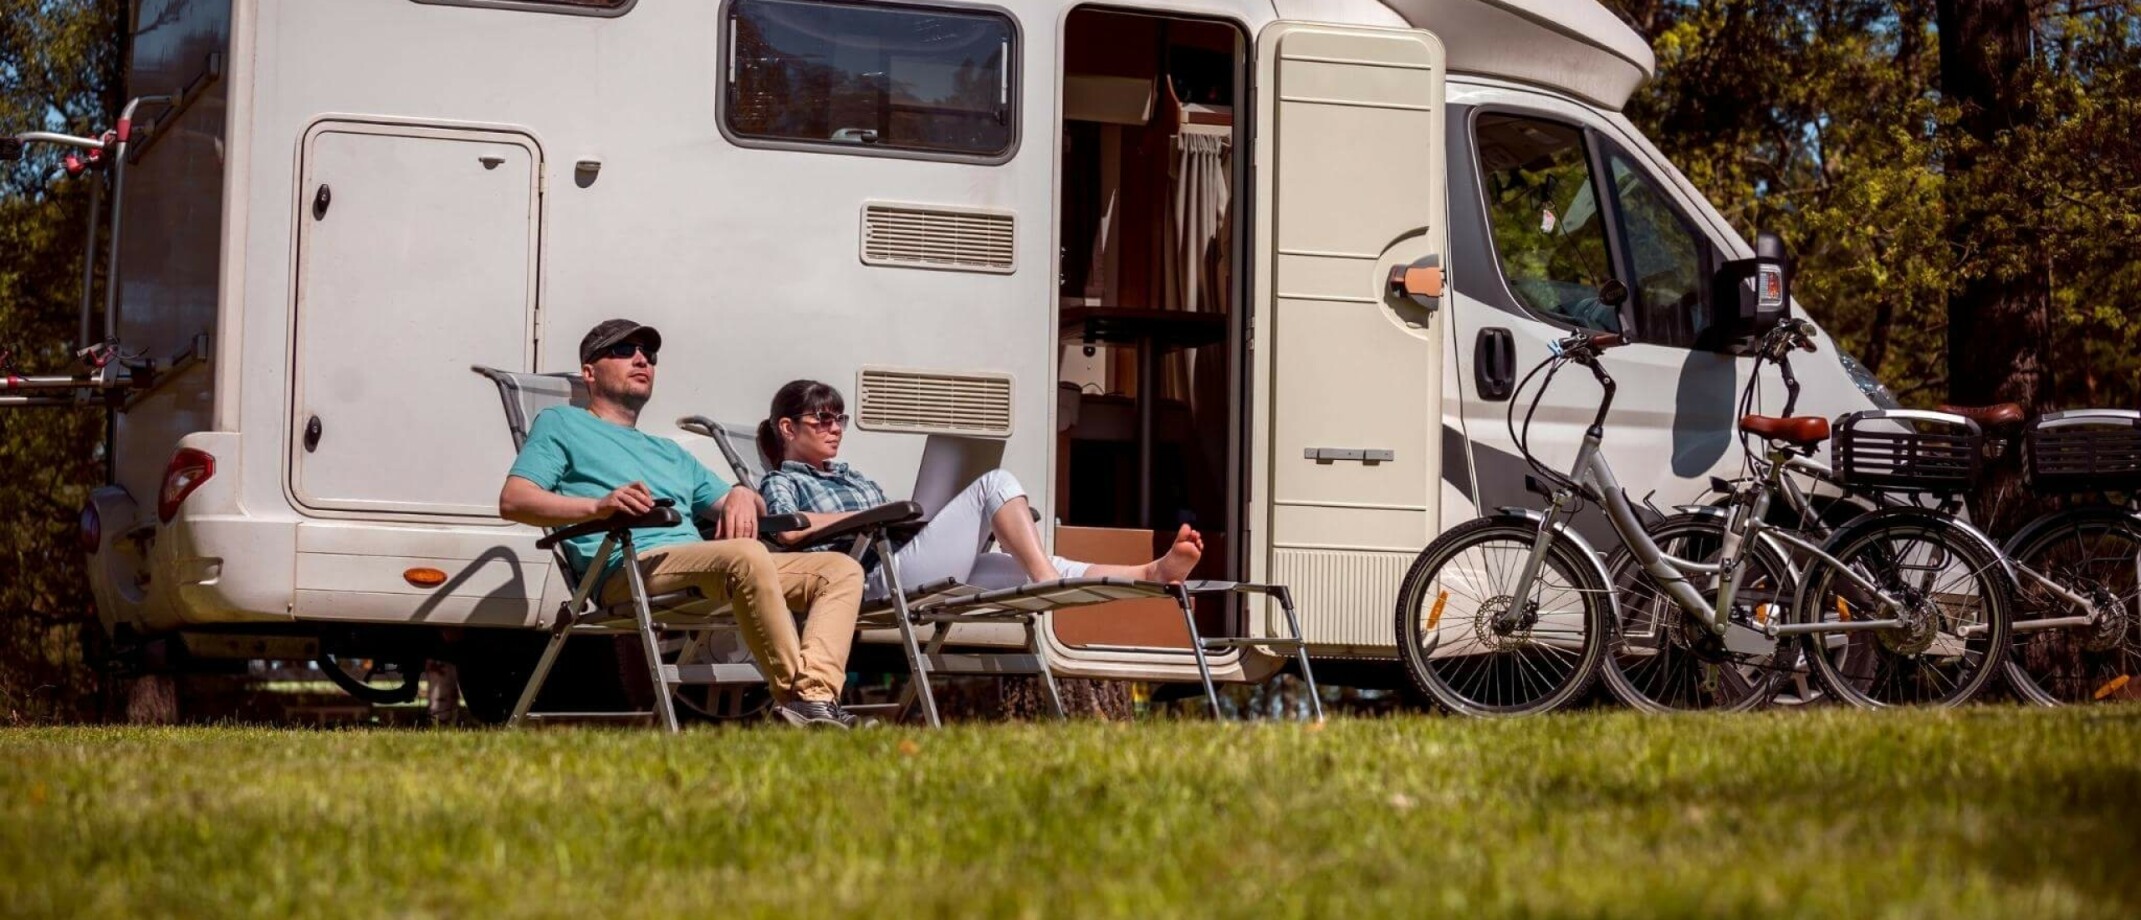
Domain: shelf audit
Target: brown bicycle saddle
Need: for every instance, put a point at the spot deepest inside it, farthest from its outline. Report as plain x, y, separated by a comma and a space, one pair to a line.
1997, 415
1803, 430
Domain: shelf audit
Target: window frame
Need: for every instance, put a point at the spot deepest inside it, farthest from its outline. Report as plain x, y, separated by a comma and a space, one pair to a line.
1601, 191
541, 6
1707, 247
1014, 98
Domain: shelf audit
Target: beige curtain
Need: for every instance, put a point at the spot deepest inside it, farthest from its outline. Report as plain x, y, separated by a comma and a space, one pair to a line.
1196, 255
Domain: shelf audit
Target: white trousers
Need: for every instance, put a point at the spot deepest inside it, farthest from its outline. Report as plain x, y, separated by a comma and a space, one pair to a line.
953, 544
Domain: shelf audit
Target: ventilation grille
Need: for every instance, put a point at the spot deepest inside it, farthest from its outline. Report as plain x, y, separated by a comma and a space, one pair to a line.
914, 237
927, 402
1344, 597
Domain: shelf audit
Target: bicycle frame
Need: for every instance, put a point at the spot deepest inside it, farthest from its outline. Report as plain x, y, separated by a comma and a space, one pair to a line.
1796, 499
1592, 473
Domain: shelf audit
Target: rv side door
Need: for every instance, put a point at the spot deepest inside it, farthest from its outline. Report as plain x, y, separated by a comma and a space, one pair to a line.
1350, 191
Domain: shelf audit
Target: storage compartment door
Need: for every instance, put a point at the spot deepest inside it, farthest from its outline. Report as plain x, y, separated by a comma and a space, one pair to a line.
416, 259
1348, 379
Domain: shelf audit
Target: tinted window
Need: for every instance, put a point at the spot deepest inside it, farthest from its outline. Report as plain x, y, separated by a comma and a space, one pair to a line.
882, 77
1543, 213
1669, 257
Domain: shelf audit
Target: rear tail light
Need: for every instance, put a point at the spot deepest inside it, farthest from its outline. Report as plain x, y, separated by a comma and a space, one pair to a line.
187, 470
92, 534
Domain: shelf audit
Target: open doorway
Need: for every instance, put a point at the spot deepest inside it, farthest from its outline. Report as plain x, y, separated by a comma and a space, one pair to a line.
1151, 382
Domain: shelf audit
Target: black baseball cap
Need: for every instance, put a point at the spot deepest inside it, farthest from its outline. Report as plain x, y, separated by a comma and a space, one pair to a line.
611, 331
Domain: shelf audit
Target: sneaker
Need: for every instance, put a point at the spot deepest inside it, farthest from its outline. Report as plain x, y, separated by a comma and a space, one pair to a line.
848, 719
811, 712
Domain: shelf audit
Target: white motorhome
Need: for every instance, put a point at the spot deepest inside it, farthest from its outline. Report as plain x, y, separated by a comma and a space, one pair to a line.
1158, 250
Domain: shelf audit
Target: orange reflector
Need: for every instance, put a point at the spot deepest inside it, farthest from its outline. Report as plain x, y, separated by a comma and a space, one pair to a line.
1843, 610
1435, 616
424, 577
1761, 614
2113, 685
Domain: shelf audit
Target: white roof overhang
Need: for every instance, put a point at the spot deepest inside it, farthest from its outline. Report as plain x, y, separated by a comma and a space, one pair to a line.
1576, 46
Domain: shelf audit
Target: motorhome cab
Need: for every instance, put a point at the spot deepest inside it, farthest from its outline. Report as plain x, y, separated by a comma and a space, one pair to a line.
1270, 268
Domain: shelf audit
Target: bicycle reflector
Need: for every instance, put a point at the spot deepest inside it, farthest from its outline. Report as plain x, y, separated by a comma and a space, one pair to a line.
186, 471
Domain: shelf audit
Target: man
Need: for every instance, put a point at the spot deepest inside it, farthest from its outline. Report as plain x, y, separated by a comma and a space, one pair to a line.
583, 464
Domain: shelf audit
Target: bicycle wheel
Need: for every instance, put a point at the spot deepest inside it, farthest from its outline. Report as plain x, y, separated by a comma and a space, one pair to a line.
1663, 660
1459, 652
2095, 553
1954, 612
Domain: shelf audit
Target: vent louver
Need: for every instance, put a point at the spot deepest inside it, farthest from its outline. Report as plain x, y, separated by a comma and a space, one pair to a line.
932, 402
910, 236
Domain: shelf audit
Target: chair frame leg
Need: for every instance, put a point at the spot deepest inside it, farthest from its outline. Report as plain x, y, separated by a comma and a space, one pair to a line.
1286, 604
652, 642
559, 632
1049, 690
917, 663
1196, 644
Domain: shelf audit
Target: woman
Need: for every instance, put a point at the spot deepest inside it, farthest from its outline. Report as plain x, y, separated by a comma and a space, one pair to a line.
800, 439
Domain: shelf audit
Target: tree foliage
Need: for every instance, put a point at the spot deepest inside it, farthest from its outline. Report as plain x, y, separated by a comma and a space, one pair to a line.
1826, 121
60, 63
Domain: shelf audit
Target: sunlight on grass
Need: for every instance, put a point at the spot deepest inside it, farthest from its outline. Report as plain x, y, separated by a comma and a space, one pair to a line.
1987, 812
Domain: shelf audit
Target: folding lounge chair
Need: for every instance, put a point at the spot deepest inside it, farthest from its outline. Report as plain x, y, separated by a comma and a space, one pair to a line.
877, 528
943, 605
648, 616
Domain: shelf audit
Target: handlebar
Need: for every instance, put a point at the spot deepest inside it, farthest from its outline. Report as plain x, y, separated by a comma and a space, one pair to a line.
1586, 344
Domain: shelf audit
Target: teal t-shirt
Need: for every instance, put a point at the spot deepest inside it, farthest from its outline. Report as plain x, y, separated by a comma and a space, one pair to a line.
571, 452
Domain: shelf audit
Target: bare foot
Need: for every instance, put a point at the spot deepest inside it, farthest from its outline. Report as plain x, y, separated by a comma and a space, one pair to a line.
1180, 558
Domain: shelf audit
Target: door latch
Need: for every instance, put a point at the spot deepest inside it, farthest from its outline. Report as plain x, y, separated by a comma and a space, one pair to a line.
320, 200
1370, 455
312, 434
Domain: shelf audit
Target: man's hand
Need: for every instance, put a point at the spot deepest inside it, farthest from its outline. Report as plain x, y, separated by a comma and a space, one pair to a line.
740, 511
630, 499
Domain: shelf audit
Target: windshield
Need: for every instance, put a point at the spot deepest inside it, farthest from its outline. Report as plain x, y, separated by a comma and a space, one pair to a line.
1866, 382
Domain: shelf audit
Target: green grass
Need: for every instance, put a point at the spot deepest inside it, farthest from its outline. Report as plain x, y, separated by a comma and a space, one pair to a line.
1987, 812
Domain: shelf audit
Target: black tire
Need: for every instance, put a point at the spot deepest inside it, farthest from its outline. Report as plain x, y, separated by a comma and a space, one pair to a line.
2091, 552
1662, 660
1513, 671
1948, 579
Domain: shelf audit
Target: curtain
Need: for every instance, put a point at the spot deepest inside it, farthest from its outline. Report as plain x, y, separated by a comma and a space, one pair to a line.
1195, 257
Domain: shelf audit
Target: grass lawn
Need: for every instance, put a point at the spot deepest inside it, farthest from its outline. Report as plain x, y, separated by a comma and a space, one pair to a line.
1988, 812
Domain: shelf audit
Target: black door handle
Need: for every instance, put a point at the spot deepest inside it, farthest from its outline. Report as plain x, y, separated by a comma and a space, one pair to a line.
1494, 363
312, 434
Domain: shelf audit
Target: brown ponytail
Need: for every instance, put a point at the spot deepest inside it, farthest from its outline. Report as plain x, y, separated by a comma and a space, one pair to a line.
795, 399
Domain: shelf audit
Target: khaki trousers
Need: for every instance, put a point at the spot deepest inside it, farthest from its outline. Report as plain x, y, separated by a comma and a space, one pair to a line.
764, 587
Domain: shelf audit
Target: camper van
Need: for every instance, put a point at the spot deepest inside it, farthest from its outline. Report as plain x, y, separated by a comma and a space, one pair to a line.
1269, 267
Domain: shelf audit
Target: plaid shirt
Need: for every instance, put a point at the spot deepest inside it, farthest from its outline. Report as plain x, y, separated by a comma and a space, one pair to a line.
800, 487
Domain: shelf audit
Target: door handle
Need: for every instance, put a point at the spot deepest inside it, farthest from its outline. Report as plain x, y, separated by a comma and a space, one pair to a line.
1421, 282
1494, 363
312, 434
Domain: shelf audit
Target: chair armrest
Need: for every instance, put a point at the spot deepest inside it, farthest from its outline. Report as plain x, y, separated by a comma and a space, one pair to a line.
782, 523
861, 522
663, 515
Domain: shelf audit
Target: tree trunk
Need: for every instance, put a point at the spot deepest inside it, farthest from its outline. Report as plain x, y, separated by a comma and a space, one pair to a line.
1999, 323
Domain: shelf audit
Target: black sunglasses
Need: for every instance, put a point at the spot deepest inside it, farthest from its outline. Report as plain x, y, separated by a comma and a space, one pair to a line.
625, 350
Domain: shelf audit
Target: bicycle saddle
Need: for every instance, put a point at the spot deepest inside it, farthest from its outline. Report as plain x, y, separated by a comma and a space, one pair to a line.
1997, 415
1803, 430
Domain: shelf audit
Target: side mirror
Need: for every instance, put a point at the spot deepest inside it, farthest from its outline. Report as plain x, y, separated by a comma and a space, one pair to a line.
1748, 297
11, 149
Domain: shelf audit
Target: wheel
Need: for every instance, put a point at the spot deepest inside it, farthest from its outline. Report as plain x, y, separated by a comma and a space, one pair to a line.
1459, 653
2096, 554
1954, 597
1663, 660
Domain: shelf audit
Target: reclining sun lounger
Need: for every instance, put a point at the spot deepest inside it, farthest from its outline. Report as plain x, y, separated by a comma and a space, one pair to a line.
946, 605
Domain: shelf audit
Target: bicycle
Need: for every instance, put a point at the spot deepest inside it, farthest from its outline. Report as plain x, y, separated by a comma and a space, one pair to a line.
1893, 577
2076, 636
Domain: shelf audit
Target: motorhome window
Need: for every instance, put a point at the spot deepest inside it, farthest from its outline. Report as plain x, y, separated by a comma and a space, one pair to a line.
1543, 214
1669, 259
870, 77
